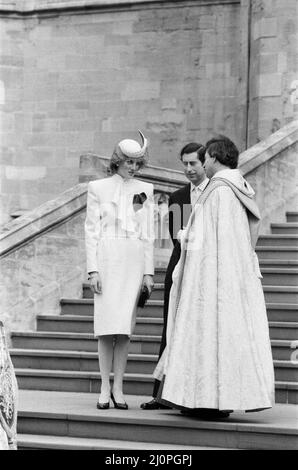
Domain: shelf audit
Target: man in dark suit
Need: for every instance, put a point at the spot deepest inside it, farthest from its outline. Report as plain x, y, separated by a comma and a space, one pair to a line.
180, 205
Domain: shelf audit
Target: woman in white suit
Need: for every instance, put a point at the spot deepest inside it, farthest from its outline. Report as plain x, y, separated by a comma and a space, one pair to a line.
119, 246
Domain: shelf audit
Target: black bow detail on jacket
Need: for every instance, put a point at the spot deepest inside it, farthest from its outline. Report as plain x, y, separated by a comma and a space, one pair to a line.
138, 201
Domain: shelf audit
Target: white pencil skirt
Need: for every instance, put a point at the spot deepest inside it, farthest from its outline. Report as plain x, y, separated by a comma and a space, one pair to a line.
121, 268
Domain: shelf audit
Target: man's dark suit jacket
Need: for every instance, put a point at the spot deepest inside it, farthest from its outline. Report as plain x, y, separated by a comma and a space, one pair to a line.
179, 213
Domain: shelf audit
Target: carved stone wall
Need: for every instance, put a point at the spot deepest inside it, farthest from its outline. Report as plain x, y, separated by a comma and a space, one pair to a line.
34, 277
77, 79
273, 87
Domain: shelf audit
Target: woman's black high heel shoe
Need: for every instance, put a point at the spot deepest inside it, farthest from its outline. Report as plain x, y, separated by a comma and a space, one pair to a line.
103, 406
119, 406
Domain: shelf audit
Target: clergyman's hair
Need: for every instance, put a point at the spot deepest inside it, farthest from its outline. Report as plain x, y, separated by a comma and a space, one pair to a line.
194, 147
223, 150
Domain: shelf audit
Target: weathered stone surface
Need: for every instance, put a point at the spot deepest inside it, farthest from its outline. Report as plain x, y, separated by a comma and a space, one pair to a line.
271, 167
273, 62
83, 82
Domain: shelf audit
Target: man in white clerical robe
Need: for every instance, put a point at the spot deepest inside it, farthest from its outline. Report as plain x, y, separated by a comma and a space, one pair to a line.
218, 356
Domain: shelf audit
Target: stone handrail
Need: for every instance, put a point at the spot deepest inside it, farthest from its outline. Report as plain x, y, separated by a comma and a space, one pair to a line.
21, 6
264, 151
271, 167
34, 6
41, 219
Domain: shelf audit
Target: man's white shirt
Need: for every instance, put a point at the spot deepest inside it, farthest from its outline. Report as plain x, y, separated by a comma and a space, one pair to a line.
196, 191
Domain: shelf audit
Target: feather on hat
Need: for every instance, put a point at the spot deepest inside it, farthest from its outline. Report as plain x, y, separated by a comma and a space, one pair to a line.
129, 148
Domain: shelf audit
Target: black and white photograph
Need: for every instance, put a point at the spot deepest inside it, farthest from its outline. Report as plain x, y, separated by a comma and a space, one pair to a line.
148, 228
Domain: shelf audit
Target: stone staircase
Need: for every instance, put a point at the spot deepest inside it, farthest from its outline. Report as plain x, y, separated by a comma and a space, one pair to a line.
60, 359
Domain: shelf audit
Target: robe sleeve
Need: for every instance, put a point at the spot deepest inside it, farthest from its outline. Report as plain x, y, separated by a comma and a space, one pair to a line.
91, 228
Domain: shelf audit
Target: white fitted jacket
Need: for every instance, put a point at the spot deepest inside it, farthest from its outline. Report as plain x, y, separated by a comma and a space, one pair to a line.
110, 213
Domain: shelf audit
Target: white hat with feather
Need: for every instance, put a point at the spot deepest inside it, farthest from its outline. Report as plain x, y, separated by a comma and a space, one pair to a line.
131, 149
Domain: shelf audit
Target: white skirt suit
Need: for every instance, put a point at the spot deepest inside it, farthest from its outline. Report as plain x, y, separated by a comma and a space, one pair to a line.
119, 245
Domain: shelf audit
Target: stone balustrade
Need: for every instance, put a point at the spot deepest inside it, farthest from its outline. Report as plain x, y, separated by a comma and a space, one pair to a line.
271, 167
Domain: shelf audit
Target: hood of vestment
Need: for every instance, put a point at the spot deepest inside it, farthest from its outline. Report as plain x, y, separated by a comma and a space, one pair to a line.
241, 188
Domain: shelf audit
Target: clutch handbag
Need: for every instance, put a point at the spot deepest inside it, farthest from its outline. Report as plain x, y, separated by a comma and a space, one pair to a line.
144, 296
8, 390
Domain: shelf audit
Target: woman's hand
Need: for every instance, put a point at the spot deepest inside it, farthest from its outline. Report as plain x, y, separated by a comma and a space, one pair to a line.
148, 282
95, 283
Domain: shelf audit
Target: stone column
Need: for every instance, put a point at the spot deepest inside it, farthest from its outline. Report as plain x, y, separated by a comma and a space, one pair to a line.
273, 67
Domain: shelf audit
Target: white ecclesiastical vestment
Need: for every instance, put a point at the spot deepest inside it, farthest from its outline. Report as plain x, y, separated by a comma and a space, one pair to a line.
218, 352
119, 245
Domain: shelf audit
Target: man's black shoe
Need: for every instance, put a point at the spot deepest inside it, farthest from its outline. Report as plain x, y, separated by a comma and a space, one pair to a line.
153, 405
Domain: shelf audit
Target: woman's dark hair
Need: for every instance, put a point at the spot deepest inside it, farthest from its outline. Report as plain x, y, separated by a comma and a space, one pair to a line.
223, 150
113, 166
118, 156
194, 147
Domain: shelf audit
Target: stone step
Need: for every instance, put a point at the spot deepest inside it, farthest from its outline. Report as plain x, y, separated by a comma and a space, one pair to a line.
159, 274
48, 442
281, 294
278, 241
84, 324
284, 330
79, 381
279, 277
286, 371
282, 253
140, 344
74, 415
153, 308
284, 350
282, 312
157, 293
285, 229
292, 217
76, 361
137, 383
266, 263
278, 264
271, 276
137, 363
286, 392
